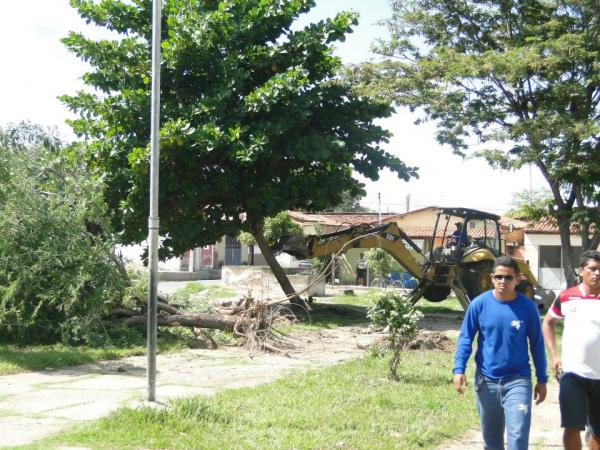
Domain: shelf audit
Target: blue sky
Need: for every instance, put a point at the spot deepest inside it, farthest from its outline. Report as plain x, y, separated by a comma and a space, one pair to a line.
37, 68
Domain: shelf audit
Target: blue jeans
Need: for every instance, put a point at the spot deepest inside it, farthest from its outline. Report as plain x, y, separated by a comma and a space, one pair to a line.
504, 404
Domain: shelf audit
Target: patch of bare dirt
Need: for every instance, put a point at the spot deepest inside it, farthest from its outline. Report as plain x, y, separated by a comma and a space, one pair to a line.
432, 340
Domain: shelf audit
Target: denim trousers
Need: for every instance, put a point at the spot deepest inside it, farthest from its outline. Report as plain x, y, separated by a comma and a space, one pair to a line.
504, 404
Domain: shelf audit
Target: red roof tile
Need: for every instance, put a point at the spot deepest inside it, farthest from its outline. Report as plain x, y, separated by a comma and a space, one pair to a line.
339, 219
548, 225
518, 224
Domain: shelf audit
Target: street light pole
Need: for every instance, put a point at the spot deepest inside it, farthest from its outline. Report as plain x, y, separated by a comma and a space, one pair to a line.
153, 220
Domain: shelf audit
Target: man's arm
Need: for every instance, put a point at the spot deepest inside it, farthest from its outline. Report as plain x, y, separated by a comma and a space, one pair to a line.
549, 331
536, 344
536, 347
464, 347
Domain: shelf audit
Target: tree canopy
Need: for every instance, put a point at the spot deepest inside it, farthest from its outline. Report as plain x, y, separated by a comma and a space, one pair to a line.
519, 81
530, 205
254, 120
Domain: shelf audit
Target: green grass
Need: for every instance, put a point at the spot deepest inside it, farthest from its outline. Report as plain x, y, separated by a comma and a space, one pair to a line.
331, 316
450, 305
14, 359
359, 298
209, 290
351, 309
363, 298
350, 405
348, 310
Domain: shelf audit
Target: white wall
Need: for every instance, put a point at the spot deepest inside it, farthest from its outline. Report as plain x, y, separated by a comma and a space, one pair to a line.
548, 278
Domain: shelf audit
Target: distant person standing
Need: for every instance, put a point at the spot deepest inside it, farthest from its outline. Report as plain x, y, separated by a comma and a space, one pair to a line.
579, 394
504, 322
361, 270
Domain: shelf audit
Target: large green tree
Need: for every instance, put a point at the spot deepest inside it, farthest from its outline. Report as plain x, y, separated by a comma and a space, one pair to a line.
253, 118
517, 79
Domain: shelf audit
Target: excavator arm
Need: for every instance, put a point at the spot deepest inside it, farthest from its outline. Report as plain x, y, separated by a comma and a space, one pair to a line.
388, 236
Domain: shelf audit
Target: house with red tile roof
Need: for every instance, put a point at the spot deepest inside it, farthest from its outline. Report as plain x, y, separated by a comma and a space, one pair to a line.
543, 251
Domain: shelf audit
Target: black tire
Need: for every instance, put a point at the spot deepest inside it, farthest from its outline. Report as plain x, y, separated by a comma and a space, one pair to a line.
477, 278
526, 288
436, 293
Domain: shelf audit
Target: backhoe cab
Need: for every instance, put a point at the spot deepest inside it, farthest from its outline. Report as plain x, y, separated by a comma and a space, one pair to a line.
463, 247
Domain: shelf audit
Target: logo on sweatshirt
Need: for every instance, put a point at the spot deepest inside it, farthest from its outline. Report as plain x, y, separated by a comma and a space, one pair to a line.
516, 324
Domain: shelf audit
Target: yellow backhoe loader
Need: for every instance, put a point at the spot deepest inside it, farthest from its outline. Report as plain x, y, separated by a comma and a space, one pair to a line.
458, 261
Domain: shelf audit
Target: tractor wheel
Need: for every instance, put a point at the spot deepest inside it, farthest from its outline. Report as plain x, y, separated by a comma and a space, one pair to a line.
436, 293
526, 288
477, 279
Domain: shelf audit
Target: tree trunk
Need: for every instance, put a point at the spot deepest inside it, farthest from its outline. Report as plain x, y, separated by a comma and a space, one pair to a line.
589, 239
563, 215
564, 229
199, 320
278, 272
595, 240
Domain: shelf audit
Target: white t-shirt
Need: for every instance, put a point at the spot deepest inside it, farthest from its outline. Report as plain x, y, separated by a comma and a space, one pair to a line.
580, 352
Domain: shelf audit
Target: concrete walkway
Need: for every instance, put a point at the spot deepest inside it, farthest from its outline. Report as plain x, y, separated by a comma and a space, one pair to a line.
38, 404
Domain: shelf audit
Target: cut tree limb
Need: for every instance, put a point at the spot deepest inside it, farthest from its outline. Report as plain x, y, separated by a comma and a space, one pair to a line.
200, 320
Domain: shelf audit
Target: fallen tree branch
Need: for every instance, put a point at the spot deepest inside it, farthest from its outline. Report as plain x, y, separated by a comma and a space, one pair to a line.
200, 320
125, 312
162, 306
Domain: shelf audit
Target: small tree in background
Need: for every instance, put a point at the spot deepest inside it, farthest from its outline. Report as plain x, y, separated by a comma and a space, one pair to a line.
531, 205
379, 262
395, 314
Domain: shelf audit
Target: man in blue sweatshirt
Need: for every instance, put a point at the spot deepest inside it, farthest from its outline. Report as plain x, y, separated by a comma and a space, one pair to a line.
503, 321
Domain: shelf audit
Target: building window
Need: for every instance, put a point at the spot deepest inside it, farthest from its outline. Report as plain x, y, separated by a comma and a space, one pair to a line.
550, 256
551, 274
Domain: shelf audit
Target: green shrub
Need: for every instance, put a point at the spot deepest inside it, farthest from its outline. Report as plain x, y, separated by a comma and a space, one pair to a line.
393, 312
59, 276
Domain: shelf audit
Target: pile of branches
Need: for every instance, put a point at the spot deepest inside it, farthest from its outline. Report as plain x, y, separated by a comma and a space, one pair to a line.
254, 322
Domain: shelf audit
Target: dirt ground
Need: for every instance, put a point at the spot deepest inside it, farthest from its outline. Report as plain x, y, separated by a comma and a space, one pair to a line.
38, 404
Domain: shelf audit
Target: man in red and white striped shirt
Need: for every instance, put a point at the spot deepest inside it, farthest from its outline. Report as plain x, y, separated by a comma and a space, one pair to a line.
579, 395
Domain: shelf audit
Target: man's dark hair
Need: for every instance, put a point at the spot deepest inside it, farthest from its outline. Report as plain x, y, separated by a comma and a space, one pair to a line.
506, 261
587, 256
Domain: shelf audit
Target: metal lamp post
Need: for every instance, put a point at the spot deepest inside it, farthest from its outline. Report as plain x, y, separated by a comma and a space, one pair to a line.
153, 221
